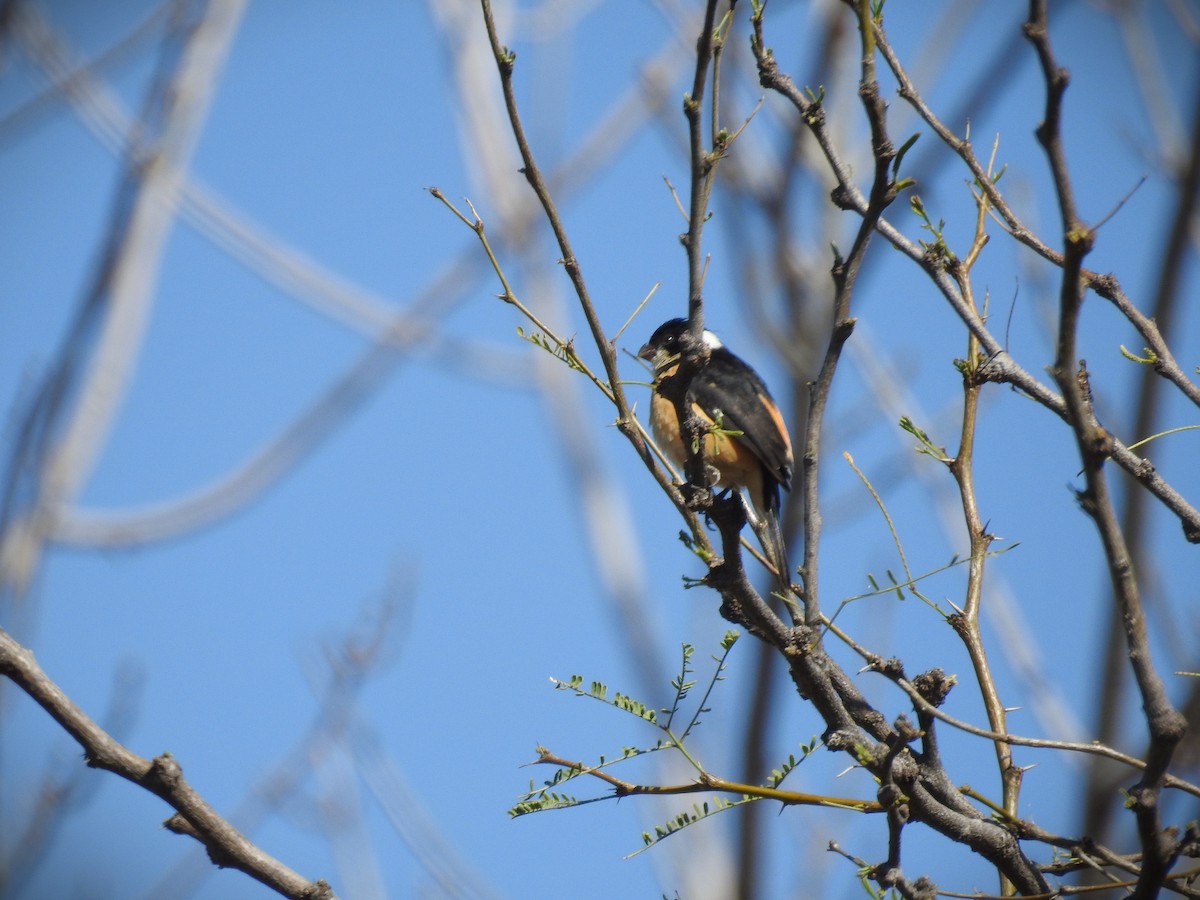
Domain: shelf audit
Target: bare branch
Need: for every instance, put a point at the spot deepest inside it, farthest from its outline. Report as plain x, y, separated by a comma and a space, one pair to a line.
161, 776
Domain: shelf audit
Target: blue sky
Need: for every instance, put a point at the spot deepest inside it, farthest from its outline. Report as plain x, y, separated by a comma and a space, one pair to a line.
448, 485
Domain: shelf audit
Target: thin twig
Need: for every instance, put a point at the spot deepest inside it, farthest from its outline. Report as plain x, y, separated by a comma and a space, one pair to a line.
962, 467
708, 782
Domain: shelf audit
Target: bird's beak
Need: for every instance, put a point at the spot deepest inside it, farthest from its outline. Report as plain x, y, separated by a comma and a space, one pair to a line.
660, 360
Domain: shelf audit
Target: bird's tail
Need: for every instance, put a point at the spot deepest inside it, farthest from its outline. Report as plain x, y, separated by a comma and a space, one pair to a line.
770, 534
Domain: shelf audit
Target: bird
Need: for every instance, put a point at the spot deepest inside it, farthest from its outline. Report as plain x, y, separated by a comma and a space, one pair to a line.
746, 440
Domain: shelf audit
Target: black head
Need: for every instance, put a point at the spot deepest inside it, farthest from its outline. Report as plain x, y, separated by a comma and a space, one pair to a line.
666, 339
668, 342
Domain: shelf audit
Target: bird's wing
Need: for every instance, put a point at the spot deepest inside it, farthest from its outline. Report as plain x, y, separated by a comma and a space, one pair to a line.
729, 386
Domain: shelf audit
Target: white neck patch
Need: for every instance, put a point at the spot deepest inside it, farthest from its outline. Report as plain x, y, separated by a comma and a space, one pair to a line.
711, 341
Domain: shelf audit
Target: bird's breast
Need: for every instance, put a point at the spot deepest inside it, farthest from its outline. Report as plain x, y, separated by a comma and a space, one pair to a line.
735, 462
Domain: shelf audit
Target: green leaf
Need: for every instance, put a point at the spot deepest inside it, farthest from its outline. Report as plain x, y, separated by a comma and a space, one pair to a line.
926, 445
1149, 359
904, 148
686, 818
